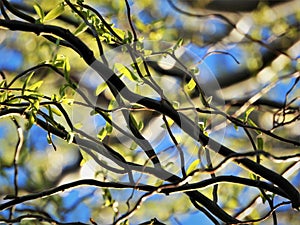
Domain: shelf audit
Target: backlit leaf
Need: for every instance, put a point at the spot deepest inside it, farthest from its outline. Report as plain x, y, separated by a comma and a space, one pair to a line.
55, 12
193, 166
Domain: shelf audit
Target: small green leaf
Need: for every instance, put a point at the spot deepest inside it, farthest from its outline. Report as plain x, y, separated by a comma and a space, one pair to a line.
133, 121
108, 128
67, 69
67, 101
178, 44
140, 125
26, 82
112, 104
121, 69
77, 125
119, 32
193, 166
209, 99
31, 120
36, 85
36, 105
251, 123
70, 137
147, 52
93, 112
102, 134
38, 9
260, 143
56, 111
55, 12
253, 176
133, 146
80, 29
190, 85
169, 121
176, 104
248, 112
100, 88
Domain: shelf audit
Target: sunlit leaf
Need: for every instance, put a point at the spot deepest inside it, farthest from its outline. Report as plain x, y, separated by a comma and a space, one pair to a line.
81, 28
36, 85
121, 69
109, 128
56, 111
260, 143
248, 112
119, 32
102, 134
251, 123
190, 85
77, 125
178, 44
27, 82
39, 11
133, 145
193, 166
55, 12
100, 88
70, 137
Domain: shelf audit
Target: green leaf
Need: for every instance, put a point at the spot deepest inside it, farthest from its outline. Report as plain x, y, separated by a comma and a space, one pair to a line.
100, 88
169, 121
251, 123
134, 122
39, 11
55, 12
119, 32
26, 82
260, 143
190, 85
248, 112
77, 125
209, 99
55, 111
121, 69
178, 44
176, 104
133, 146
253, 176
36, 85
108, 128
67, 69
70, 137
147, 52
193, 166
102, 134
67, 101
31, 120
140, 125
81, 28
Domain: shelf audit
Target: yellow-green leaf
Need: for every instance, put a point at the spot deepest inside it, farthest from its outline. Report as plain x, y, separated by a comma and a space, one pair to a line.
121, 69
38, 9
260, 143
248, 112
190, 85
119, 32
36, 85
55, 12
56, 111
251, 123
100, 88
81, 28
193, 166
